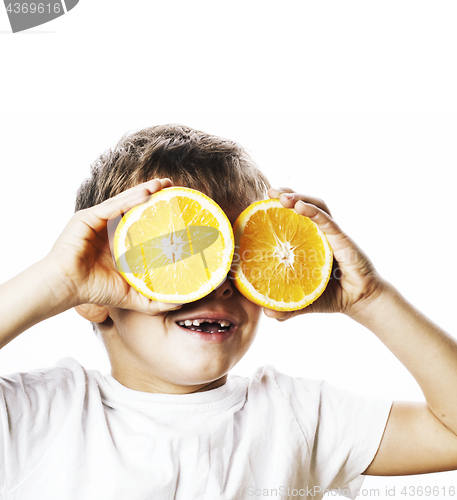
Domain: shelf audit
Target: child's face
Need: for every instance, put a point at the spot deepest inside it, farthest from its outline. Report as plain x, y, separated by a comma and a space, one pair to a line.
156, 354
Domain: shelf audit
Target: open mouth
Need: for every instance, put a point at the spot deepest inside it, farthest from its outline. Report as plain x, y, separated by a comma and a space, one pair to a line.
206, 325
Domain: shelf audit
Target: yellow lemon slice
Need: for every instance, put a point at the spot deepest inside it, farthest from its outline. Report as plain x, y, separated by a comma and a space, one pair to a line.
177, 247
284, 260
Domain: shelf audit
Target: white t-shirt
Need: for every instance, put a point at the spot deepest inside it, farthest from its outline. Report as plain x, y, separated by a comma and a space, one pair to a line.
69, 433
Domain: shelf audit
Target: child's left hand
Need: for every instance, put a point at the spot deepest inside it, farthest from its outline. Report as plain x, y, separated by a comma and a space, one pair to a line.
354, 281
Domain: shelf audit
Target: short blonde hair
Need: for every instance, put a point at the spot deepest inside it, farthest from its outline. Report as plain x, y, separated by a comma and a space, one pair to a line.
218, 167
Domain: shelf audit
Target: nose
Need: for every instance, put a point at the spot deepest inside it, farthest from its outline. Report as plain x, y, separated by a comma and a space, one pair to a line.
225, 289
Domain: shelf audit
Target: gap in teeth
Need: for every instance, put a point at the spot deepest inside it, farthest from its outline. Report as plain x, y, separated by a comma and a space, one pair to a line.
198, 322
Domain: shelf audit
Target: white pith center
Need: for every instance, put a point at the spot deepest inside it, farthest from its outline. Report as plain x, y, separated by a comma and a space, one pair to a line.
172, 247
285, 253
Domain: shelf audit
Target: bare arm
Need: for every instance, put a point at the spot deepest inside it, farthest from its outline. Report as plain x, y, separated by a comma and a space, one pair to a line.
419, 437
427, 351
29, 298
78, 270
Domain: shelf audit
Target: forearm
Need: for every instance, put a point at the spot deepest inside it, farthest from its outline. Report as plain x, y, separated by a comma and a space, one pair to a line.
426, 350
27, 299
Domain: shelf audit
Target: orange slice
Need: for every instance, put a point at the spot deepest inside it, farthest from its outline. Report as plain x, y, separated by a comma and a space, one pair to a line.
284, 260
177, 247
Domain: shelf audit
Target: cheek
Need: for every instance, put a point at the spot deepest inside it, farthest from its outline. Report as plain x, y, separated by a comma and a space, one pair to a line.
138, 331
253, 312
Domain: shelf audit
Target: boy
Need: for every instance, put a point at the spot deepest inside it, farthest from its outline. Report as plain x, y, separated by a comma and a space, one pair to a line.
169, 422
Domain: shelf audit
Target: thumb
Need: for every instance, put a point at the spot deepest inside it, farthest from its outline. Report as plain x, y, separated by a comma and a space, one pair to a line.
279, 315
156, 307
136, 301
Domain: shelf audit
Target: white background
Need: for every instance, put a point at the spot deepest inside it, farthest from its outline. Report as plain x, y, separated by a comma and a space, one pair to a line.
349, 101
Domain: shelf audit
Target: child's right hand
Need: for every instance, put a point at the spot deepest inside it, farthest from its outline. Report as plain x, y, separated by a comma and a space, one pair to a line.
80, 265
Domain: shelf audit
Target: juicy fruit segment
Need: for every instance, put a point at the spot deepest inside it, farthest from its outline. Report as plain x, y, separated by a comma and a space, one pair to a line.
284, 260
176, 247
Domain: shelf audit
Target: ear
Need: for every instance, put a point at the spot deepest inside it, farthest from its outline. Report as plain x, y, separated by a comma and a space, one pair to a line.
93, 312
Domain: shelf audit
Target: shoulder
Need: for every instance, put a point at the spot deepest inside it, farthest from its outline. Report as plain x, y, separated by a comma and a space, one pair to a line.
342, 429
40, 408
284, 398
66, 378
314, 399
267, 380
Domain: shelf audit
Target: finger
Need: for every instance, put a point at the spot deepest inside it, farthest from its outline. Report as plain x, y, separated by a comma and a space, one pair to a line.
278, 315
129, 198
115, 207
344, 249
276, 192
135, 301
347, 254
289, 200
161, 307
288, 197
319, 216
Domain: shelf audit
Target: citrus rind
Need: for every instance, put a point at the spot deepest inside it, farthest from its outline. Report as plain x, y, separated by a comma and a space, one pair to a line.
246, 287
167, 194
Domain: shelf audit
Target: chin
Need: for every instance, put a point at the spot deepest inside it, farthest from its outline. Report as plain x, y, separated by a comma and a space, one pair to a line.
203, 373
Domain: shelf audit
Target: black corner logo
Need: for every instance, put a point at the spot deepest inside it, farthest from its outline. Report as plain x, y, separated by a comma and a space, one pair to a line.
27, 14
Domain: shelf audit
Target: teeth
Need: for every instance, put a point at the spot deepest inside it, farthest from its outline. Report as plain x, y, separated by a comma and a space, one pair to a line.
198, 322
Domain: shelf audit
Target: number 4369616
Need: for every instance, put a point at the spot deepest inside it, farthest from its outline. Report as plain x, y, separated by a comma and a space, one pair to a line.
427, 491
32, 8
